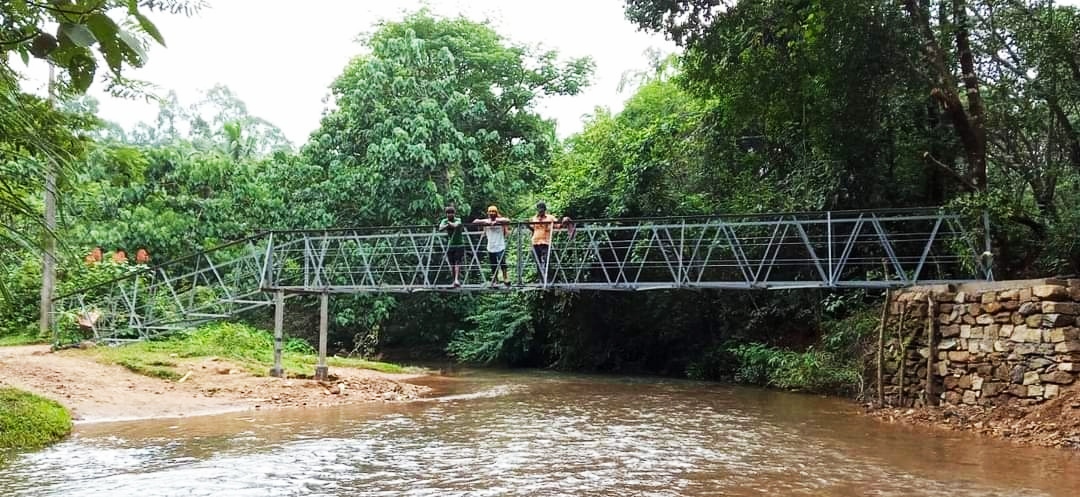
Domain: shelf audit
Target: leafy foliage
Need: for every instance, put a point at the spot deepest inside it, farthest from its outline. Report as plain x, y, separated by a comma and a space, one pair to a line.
441, 111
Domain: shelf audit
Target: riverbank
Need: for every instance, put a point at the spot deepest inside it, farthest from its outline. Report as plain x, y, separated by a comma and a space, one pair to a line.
95, 390
1055, 423
28, 421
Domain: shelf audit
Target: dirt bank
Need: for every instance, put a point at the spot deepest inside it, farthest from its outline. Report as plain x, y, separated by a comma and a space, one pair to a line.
1055, 423
98, 392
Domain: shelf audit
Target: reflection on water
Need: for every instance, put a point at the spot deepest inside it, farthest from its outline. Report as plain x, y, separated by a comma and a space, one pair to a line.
541, 434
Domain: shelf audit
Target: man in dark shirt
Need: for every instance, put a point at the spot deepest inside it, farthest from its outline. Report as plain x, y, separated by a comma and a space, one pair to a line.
455, 247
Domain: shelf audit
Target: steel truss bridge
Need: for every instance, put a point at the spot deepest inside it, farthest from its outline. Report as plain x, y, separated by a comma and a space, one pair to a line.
839, 249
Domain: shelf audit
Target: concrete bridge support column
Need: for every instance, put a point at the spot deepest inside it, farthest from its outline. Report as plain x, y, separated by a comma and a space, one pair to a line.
321, 371
279, 323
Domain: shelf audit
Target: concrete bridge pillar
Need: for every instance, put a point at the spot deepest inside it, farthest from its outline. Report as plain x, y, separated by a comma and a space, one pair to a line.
321, 370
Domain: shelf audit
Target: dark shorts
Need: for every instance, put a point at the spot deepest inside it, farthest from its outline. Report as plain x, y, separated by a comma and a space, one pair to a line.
454, 255
541, 253
497, 259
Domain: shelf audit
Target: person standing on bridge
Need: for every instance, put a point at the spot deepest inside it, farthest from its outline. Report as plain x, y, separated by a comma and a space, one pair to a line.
496, 228
455, 247
541, 225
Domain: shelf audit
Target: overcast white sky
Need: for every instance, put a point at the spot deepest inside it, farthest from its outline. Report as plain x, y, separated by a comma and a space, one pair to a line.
280, 56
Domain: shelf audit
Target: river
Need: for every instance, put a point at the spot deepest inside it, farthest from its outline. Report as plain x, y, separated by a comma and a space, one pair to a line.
536, 433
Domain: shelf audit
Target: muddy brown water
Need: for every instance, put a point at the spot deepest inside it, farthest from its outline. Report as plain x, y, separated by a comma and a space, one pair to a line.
492, 434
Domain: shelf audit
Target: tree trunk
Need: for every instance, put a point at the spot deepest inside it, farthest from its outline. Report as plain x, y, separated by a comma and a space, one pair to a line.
969, 123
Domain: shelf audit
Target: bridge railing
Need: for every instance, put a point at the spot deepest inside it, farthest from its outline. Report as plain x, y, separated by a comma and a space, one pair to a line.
871, 249
831, 250
178, 294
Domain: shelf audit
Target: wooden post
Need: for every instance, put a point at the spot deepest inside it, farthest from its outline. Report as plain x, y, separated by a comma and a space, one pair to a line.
881, 349
931, 311
279, 323
903, 354
321, 371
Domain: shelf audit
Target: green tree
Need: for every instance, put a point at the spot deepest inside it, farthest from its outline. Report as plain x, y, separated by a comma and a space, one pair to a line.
439, 111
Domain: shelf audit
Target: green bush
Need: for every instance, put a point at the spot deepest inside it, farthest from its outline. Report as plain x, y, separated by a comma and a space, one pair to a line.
29, 422
502, 331
813, 370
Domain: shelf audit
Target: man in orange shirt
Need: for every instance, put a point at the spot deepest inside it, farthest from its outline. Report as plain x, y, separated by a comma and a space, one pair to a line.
542, 225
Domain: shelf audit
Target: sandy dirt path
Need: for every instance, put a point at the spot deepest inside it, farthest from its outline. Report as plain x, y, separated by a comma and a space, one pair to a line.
99, 392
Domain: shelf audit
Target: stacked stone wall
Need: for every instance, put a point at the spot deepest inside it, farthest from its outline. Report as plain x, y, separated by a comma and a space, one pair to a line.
981, 345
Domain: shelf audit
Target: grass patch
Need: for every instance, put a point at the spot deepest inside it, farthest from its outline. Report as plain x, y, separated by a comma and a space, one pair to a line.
13, 340
30, 422
247, 347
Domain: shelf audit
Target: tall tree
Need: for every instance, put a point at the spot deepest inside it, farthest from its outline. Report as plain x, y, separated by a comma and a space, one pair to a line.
440, 110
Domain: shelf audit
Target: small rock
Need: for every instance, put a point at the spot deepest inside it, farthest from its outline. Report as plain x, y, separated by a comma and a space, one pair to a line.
1028, 308
1051, 391
1051, 292
1061, 308
1031, 378
1057, 377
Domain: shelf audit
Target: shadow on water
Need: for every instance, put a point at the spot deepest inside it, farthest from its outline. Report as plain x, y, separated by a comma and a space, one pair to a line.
542, 433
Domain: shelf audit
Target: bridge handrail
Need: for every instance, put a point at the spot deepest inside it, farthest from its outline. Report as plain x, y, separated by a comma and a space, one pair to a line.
156, 267
818, 216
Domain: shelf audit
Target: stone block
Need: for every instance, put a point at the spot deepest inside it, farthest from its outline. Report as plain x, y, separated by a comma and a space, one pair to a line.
984, 319
1034, 321
1051, 391
968, 319
986, 346
1058, 335
1010, 306
951, 382
976, 383
1038, 363
1016, 374
946, 318
1031, 378
1056, 320
941, 368
964, 382
945, 308
1001, 372
1008, 295
974, 309
1051, 292
1057, 377
1026, 349
1070, 308
947, 344
988, 297
992, 308
970, 397
1067, 347
950, 331
1029, 308
978, 332
1006, 330
1035, 391
960, 356
992, 389
1024, 295
952, 398
944, 296
959, 297
965, 331
1018, 390
1001, 346
1069, 367
1017, 318
993, 331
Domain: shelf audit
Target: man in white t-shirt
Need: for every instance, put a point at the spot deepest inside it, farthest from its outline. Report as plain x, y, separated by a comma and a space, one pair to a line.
496, 228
